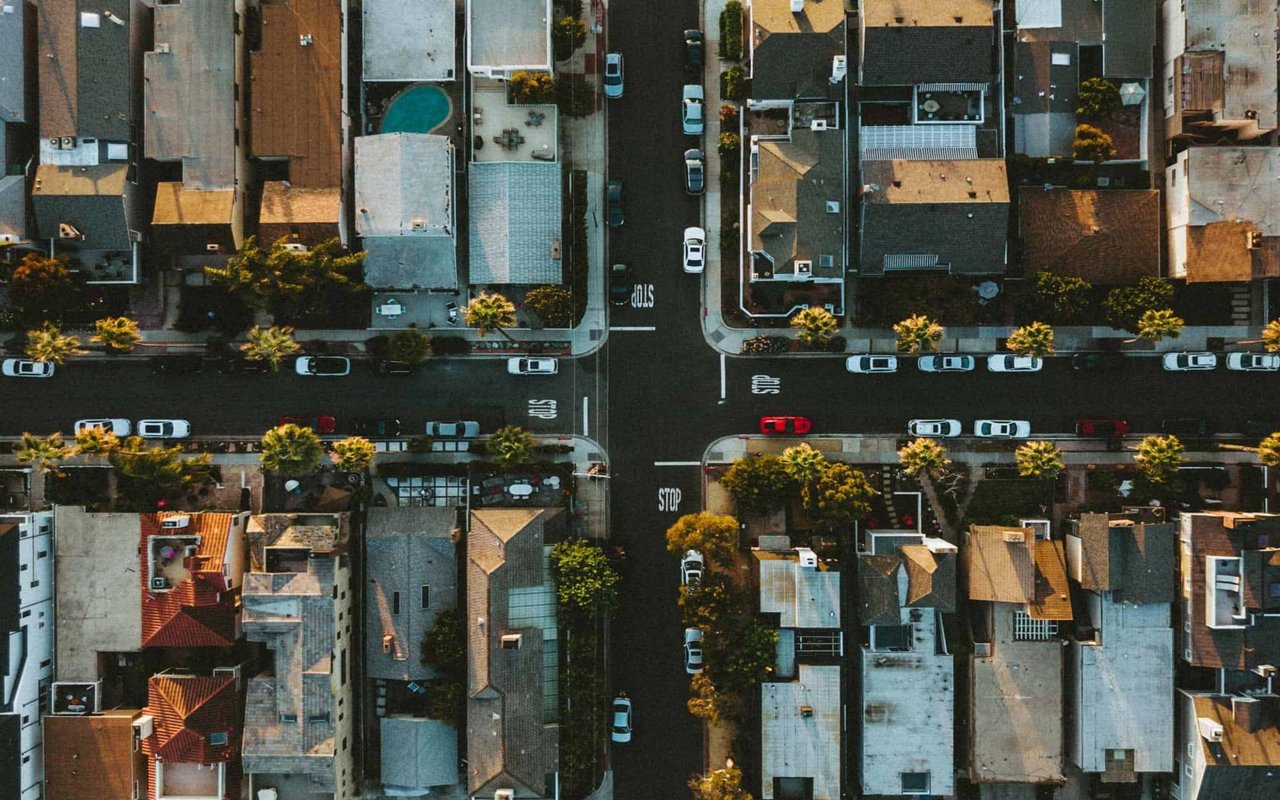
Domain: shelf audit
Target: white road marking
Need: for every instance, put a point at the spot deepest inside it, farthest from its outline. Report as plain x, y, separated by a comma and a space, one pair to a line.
722, 376
669, 499
542, 409
586, 407
632, 328
766, 384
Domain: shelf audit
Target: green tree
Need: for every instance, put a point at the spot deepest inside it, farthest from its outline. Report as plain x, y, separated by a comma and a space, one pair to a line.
1039, 460
720, 784
447, 701
47, 343
739, 662
353, 454
1268, 450
815, 325
1098, 97
490, 312
291, 450
1159, 457
552, 304
272, 345
1125, 305
45, 452
1035, 339
709, 703
567, 36
150, 473
585, 583
1092, 144
804, 464
511, 445
714, 604
1058, 298
1158, 324
729, 142
923, 457
1271, 336
118, 334
444, 648
409, 346
291, 282
532, 87
840, 495
41, 288
97, 441
758, 484
918, 334
713, 535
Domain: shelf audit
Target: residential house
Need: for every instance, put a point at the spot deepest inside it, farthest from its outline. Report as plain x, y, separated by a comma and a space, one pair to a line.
193, 745
907, 581
26, 670
1120, 673
13, 113
512, 689
96, 755
931, 138
515, 223
194, 101
86, 197
408, 40
801, 711
1228, 746
191, 575
405, 213
508, 36
1224, 214
298, 119
1102, 236
420, 754
298, 602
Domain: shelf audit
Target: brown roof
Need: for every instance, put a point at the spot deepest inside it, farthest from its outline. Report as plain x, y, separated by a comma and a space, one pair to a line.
879, 590
1239, 747
201, 611
102, 180
1232, 648
931, 578
1224, 251
91, 756
296, 108
1001, 563
1135, 559
285, 204
187, 709
978, 180
59, 69
1203, 84
1100, 236
1053, 595
177, 205
924, 13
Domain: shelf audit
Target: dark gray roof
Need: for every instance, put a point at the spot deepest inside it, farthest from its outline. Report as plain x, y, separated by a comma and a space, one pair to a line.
410, 262
969, 237
903, 56
878, 580
104, 73
1129, 34
93, 199
1039, 85
1137, 561
418, 753
792, 66
931, 578
13, 203
12, 69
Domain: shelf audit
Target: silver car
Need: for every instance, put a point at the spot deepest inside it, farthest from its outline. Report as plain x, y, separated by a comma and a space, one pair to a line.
120, 427
1013, 363
453, 430
691, 567
1002, 428
164, 428
1253, 362
945, 363
691, 121
693, 650
1188, 362
871, 364
934, 428
522, 365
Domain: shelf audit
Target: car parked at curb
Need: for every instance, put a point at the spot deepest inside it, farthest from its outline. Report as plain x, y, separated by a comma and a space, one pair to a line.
320, 423
693, 650
1109, 427
164, 428
613, 203
462, 429
613, 75
1096, 362
377, 427
527, 365
1002, 428
386, 366
693, 49
781, 426
691, 567
620, 284
116, 425
695, 171
1189, 362
691, 108
695, 250
1185, 426
1253, 362
620, 727
323, 366
868, 364
27, 368
1008, 362
934, 428
937, 363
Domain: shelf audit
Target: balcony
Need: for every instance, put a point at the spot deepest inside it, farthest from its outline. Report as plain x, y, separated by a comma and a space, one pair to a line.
1224, 602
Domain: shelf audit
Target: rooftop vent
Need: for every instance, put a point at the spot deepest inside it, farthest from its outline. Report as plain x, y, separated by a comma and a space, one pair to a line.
305, 40
808, 558
419, 224
1015, 537
511, 641
797, 6
176, 521
806, 711
1210, 729
162, 47
833, 206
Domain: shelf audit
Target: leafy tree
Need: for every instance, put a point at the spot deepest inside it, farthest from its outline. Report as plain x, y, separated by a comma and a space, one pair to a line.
1271, 336
709, 703
1098, 97
1058, 298
272, 345
97, 441
118, 334
758, 484
815, 325
567, 36
552, 304
714, 604
1035, 339
1159, 324
1125, 305
447, 701
353, 454
1159, 457
840, 495
1268, 450
918, 334
804, 464
532, 87
720, 784
290, 282
41, 287
713, 535
923, 457
409, 346
47, 343
46, 452
490, 312
739, 662
511, 445
1039, 460
729, 142
1092, 144
444, 648
151, 473
585, 583
291, 450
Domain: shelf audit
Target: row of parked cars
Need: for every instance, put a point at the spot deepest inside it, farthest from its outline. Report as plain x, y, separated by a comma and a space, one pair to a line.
1003, 362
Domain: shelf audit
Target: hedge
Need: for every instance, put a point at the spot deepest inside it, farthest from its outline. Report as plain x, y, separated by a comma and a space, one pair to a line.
731, 31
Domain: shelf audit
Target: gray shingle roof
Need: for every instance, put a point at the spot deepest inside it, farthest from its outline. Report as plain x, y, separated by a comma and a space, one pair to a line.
12, 69
1129, 34
970, 237
418, 752
791, 66
103, 65
515, 222
93, 199
902, 56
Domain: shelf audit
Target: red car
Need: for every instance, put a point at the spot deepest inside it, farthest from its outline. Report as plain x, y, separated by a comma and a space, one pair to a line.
772, 426
1108, 428
316, 422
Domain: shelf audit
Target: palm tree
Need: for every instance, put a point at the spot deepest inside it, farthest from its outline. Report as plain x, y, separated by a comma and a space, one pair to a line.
803, 463
917, 333
46, 452
1158, 324
1270, 339
1039, 460
353, 454
291, 450
47, 343
816, 325
96, 441
1035, 340
923, 458
272, 345
1268, 450
1158, 457
490, 312
118, 334
511, 445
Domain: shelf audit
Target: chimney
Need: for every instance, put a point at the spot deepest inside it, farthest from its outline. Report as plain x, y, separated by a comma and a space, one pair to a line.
1247, 712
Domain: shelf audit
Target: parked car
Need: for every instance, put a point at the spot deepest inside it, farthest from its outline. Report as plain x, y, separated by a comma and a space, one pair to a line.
323, 366
228, 365
1007, 362
695, 171
453, 430
946, 363
695, 250
524, 365
934, 428
693, 650
691, 567
164, 428
620, 284
691, 121
613, 203
320, 423
693, 44
613, 75
1185, 426
1107, 427
385, 366
26, 368
377, 427
120, 427
176, 365
772, 426
1253, 362
1096, 362
870, 364
1189, 362
1002, 428
620, 730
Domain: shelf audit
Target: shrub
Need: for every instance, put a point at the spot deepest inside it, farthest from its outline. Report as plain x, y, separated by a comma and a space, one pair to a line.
766, 345
1092, 144
532, 87
449, 345
1125, 305
731, 30
1098, 97
729, 143
733, 83
552, 304
567, 36
728, 116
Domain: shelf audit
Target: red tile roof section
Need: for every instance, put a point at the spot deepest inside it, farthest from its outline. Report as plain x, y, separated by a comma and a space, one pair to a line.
199, 612
186, 710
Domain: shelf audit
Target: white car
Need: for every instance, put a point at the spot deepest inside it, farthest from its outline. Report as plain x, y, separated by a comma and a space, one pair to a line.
620, 729
26, 368
613, 75
945, 363
934, 428
1189, 362
1002, 428
120, 427
323, 366
1011, 363
693, 650
532, 366
695, 250
691, 568
164, 428
691, 109
870, 363
1253, 362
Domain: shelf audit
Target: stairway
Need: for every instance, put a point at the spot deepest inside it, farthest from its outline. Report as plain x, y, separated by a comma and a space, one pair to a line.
1241, 305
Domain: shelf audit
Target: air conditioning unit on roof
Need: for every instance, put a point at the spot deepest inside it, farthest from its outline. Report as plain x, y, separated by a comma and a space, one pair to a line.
162, 47
176, 521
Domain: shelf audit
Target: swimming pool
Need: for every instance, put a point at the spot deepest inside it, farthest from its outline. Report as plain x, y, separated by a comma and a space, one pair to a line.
418, 109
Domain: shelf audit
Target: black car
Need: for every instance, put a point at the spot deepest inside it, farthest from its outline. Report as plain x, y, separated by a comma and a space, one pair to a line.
1185, 426
695, 171
377, 428
239, 364
388, 367
620, 284
176, 365
693, 49
1096, 362
613, 198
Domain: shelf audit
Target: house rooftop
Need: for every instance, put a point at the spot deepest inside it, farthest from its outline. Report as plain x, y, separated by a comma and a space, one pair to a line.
1245, 72
1234, 196
515, 223
909, 42
283, 204
804, 596
1138, 560
973, 181
91, 755
1104, 237
508, 35
796, 202
792, 54
84, 69
13, 66
800, 731
408, 40
1128, 37
188, 577
178, 205
1249, 738
1058, 20
1001, 563
924, 14
188, 710
425, 755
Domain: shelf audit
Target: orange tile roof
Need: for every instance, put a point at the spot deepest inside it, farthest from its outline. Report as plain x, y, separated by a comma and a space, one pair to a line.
200, 612
1105, 237
1053, 595
91, 756
187, 709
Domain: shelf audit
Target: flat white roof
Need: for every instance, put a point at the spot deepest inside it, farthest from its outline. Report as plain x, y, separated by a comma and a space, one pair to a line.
409, 40
1039, 13
507, 35
404, 185
800, 731
804, 597
1242, 31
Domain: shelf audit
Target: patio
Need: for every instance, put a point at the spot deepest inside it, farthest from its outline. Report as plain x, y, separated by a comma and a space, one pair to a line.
506, 132
426, 310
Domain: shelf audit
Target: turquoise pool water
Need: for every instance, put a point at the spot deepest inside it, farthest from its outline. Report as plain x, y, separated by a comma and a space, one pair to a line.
418, 109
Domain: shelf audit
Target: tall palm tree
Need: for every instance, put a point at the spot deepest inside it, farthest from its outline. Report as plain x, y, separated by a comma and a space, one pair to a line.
353, 454
918, 334
490, 312
1158, 324
1035, 339
1270, 339
46, 452
923, 458
1268, 450
118, 334
1039, 460
96, 441
815, 325
272, 345
47, 343
291, 450
1159, 457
